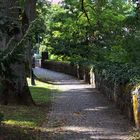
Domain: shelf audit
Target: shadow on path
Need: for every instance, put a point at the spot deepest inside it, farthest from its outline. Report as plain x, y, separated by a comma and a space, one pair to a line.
80, 112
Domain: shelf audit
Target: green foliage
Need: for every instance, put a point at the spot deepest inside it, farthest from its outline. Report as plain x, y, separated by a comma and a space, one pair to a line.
86, 32
103, 32
121, 73
117, 54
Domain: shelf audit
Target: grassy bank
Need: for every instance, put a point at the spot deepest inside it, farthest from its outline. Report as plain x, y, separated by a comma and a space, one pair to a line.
23, 122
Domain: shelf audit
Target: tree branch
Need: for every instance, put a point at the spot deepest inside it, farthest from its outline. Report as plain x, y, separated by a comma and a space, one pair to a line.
84, 11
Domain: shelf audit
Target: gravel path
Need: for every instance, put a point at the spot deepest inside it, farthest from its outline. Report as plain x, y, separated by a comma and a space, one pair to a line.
80, 112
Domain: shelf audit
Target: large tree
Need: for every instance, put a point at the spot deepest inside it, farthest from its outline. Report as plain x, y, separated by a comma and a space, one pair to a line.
16, 20
87, 30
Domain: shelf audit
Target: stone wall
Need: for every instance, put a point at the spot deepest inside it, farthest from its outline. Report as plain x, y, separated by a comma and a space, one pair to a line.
120, 94
60, 67
80, 72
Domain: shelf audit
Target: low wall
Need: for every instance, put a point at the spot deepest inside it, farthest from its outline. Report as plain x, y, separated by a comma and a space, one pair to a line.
121, 95
80, 72
60, 67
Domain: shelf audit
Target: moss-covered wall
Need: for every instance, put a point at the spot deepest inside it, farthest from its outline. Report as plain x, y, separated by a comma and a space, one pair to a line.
119, 94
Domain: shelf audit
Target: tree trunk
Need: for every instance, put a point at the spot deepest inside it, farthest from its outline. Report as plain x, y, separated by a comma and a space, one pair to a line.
30, 11
16, 92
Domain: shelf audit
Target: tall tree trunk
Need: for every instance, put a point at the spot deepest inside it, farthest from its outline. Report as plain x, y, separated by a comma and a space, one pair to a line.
17, 91
29, 14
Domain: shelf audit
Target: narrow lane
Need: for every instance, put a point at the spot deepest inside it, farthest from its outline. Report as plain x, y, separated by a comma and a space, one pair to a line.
80, 112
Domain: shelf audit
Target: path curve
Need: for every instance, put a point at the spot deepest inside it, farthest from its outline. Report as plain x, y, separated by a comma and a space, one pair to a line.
80, 112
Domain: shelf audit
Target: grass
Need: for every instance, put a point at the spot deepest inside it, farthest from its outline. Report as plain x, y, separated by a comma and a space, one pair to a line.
23, 122
41, 92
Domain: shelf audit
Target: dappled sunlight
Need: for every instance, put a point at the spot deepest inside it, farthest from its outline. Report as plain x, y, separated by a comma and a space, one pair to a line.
39, 84
81, 112
20, 123
81, 129
83, 132
78, 129
96, 108
23, 116
74, 87
42, 92
27, 119
108, 137
69, 49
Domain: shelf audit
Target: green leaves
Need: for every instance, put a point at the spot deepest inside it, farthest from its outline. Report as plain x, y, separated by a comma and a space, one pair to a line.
120, 73
111, 38
70, 33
